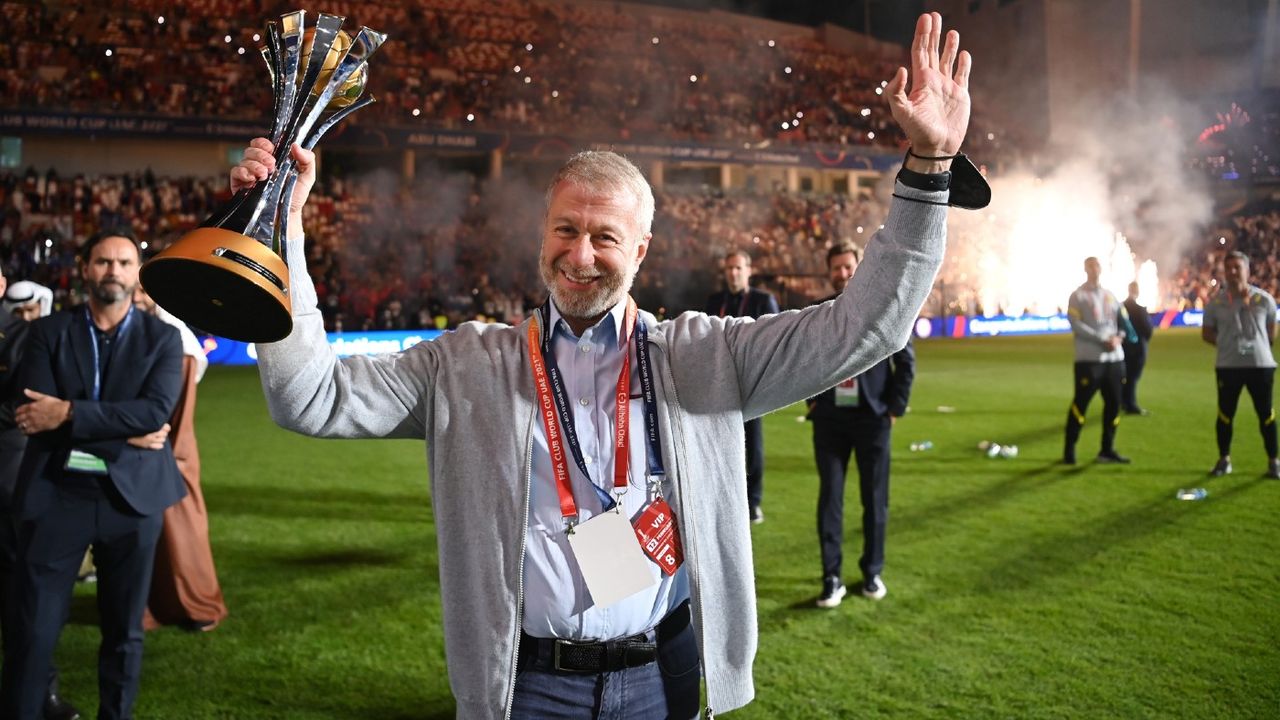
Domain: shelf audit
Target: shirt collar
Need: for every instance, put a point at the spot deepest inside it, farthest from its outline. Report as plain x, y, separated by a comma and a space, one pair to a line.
611, 325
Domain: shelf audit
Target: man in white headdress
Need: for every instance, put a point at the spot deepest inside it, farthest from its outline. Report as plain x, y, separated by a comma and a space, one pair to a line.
27, 300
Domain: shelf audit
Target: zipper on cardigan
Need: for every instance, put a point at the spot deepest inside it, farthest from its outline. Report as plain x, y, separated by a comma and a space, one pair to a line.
695, 597
524, 537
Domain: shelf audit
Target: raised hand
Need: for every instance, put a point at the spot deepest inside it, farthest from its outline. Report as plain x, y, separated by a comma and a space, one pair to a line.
935, 113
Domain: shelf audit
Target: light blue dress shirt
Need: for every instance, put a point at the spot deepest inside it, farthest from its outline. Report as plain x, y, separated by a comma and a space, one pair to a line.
556, 600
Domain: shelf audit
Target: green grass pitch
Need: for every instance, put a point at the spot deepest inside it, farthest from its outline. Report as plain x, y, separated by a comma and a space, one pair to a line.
1018, 588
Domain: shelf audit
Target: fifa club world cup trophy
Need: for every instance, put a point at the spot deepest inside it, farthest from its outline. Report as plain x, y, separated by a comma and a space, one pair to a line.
228, 276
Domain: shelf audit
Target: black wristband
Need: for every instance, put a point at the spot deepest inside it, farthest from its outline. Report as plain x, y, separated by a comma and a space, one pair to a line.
932, 182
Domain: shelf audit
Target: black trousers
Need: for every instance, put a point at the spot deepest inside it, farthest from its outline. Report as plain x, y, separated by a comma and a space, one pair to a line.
9, 624
1259, 382
1091, 378
868, 440
754, 430
87, 511
1135, 359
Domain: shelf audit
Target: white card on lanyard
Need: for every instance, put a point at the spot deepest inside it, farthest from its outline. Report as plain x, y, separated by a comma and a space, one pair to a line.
847, 393
609, 555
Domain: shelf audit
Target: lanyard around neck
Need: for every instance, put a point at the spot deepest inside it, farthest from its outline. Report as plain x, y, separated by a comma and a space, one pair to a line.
557, 418
93, 342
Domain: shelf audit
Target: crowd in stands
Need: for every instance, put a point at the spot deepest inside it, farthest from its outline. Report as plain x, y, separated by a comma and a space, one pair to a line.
607, 71
447, 249
452, 247
1254, 231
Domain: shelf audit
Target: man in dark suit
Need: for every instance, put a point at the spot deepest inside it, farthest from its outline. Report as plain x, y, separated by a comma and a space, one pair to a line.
20, 304
856, 417
739, 299
101, 382
1135, 353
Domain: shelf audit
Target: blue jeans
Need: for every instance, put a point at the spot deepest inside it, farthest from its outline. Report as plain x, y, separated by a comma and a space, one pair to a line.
666, 688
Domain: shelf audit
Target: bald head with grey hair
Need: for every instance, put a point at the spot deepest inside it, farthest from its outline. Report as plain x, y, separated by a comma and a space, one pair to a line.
606, 171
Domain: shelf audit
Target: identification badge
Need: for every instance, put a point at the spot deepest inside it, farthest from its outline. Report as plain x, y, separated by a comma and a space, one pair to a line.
847, 393
656, 530
610, 558
83, 462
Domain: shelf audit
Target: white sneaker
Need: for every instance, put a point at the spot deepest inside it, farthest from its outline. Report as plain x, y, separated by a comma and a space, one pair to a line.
874, 588
832, 592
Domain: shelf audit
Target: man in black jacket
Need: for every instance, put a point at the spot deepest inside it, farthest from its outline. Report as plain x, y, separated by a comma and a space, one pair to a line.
739, 299
1135, 353
856, 417
99, 383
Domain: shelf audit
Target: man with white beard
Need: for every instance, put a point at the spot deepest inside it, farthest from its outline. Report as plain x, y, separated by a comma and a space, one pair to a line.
587, 466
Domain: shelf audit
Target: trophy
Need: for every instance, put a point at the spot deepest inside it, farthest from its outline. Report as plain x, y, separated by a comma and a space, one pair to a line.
228, 276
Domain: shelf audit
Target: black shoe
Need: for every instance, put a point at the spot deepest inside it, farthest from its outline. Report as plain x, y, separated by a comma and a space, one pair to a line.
55, 708
1273, 468
1112, 457
198, 626
1220, 468
1069, 456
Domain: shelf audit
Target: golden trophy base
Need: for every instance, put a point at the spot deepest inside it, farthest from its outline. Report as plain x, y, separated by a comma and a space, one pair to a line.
224, 283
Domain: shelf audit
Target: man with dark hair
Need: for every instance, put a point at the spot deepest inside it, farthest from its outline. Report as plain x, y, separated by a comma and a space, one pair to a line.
857, 417
1095, 316
1241, 322
1135, 350
100, 382
586, 466
739, 299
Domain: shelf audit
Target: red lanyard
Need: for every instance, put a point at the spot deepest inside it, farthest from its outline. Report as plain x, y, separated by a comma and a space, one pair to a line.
557, 419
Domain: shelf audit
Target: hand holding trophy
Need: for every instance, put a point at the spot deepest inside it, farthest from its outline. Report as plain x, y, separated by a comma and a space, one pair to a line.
228, 276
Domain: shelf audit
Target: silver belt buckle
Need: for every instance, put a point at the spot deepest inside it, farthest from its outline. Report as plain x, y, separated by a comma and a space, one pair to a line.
555, 655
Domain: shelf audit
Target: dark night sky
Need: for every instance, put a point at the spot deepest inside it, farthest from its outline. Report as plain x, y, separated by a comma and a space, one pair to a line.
890, 19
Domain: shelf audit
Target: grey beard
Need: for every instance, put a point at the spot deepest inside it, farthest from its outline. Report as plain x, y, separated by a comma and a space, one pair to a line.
610, 291
109, 296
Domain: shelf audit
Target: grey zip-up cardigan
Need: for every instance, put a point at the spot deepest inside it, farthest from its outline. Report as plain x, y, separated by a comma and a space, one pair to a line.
470, 394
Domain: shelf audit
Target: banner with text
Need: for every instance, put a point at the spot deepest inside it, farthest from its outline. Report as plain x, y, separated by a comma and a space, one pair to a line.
222, 351
964, 326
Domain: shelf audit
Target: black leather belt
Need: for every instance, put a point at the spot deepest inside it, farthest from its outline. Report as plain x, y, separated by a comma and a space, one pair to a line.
604, 655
